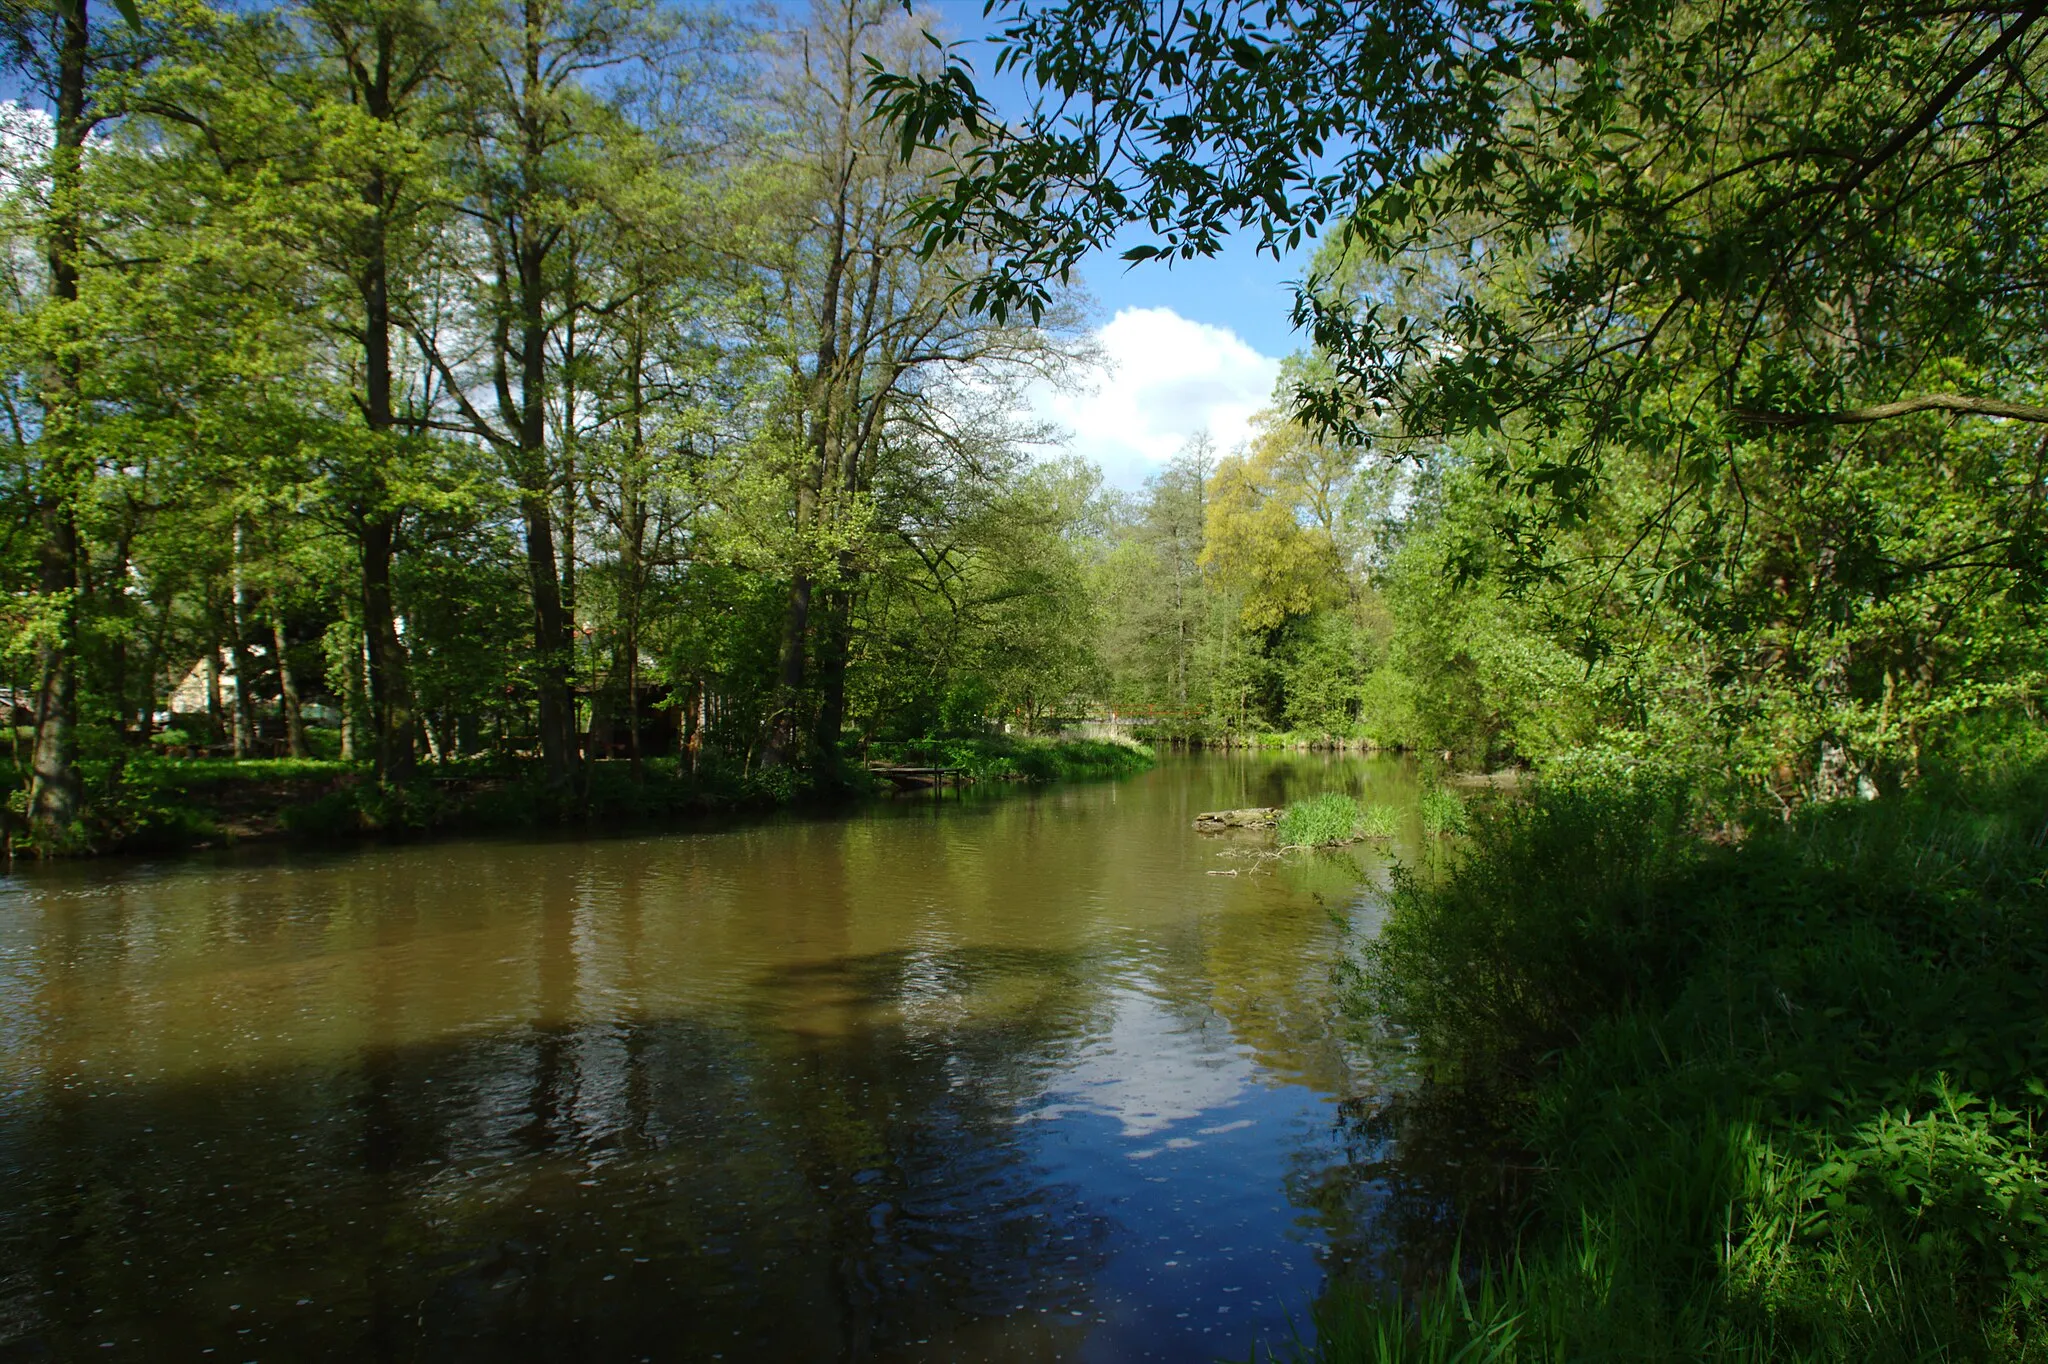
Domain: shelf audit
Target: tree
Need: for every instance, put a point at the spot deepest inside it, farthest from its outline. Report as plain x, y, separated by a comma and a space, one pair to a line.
543, 155
1694, 290
870, 335
322, 123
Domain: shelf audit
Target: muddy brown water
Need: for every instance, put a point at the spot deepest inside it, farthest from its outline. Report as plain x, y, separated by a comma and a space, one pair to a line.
1009, 1076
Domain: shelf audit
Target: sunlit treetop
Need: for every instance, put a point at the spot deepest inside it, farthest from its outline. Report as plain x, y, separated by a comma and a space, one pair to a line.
1750, 215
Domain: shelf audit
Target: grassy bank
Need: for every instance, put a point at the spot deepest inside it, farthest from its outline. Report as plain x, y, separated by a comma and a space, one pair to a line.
152, 803
1288, 740
1018, 757
1785, 1099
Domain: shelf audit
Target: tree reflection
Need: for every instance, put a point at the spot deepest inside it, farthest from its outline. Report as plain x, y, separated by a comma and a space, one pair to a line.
651, 1186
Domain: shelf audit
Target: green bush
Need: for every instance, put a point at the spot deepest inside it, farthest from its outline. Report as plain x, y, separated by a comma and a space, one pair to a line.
1320, 821
1027, 757
1786, 1096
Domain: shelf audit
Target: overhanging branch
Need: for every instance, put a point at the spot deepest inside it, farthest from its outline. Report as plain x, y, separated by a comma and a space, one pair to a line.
1959, 403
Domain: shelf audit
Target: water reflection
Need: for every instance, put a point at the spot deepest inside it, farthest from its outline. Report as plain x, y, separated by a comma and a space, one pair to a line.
1015, 1079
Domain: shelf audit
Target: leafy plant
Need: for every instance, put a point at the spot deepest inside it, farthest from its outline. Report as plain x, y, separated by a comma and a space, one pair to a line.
1785, 1094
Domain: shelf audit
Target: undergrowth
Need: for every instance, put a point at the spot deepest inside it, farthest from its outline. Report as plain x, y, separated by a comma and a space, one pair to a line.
148, 802
1786, 1097
1020, 757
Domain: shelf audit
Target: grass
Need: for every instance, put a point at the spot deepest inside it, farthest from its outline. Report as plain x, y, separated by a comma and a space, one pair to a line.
1332, 819
1033, 758
1786, 1097
1443, 813
1320, 821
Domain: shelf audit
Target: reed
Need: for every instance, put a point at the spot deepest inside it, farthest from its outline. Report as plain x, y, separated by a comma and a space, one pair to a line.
1320, 821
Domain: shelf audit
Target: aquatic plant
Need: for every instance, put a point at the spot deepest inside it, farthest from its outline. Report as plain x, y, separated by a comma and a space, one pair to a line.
1320, 821
1443, 812
1377, 821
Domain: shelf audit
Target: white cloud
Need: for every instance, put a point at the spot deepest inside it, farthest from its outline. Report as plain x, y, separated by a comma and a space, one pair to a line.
1164, 378
1151, 1069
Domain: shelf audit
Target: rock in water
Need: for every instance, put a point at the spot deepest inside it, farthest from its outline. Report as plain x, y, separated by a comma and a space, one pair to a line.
1215, 821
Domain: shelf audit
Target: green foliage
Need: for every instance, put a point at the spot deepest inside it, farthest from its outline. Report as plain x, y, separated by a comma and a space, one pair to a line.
1443, 812
1320, 821
1020, 757
1786, 1094
1378, 821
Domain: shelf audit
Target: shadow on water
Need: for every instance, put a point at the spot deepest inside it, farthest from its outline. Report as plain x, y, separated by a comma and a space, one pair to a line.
1036, 1078
664, 1188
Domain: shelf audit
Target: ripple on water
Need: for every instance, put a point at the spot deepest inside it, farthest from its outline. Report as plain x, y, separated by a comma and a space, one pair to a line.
1011, 1078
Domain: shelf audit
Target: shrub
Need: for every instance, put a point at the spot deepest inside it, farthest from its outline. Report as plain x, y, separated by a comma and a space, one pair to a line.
1786, 1096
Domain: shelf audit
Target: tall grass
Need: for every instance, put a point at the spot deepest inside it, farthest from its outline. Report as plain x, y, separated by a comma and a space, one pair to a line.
1787, 1097
1443, 812
1320, 821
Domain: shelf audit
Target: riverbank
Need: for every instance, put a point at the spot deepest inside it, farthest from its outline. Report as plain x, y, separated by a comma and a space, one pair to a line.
1783, 1093
1298, 741
153, 804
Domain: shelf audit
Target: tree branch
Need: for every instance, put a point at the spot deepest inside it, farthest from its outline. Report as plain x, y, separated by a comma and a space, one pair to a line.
1959, 403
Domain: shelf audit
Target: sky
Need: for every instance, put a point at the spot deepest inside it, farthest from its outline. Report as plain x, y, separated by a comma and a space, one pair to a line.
1187, 349
1188, 346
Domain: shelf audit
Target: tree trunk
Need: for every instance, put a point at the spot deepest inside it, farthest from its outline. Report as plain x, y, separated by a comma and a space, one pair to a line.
551, 641
211, 663
376, 521
694, 745
384, 657
153, 663
835, 641
54, 788
238, 640
288, 693
353, 692
785, 724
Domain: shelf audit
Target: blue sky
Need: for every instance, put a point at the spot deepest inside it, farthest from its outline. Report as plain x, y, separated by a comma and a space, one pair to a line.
1192, 346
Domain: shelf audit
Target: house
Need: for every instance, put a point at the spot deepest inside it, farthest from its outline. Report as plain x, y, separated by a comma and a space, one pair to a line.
189, 696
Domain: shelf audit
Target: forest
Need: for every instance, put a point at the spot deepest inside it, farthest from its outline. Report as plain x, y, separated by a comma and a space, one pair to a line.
404, 385
399, 384
631, 398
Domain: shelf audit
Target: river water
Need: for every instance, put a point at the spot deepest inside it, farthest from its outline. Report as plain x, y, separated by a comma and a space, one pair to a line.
1014, 1076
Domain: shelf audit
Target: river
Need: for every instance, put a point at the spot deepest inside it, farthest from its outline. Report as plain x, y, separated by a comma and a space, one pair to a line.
1010, 1076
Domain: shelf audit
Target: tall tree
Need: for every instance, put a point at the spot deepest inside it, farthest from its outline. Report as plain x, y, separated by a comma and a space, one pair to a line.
871, 333
57, 43
544, 153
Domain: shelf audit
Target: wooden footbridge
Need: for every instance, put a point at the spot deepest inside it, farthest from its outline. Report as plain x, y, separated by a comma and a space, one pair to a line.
933, 779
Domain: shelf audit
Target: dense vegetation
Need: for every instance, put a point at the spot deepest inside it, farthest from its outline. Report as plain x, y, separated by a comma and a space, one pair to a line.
1674, 421
1786, 1095
407, 382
